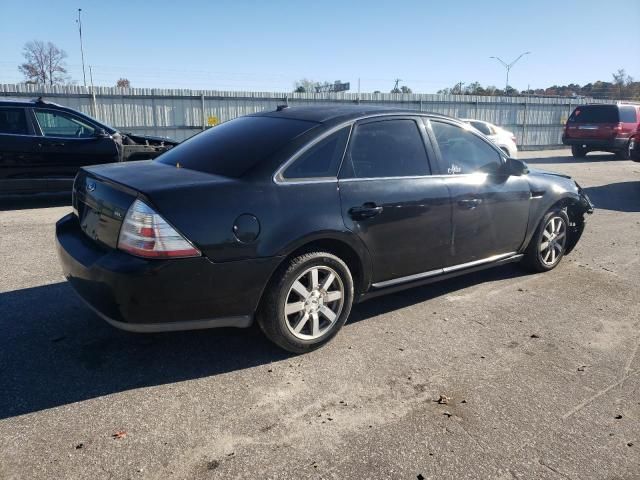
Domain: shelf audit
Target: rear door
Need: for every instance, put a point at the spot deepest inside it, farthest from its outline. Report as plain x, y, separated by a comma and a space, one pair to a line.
391, 201
69, 142
593, 122
490, 208
17, 150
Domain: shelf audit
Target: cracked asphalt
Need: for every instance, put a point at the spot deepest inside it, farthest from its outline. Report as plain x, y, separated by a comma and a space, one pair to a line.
542, 372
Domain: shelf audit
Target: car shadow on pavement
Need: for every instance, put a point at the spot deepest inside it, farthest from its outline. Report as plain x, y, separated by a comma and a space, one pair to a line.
621, 196
34, 201
54, 351
598, 157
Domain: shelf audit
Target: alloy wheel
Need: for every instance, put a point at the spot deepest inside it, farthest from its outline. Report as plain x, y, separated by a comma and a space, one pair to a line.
314, 302
553, 241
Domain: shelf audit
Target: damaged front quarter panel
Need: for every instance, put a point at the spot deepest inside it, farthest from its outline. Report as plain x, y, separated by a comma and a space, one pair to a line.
141, 147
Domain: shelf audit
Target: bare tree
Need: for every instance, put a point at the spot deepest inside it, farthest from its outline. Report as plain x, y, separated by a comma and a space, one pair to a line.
305, 85
123, 83
44, 63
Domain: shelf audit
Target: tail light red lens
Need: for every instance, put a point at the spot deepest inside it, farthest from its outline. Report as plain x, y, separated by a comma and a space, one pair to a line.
145, 233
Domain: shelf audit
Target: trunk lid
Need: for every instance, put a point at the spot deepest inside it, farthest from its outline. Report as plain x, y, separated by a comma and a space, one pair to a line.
102, 194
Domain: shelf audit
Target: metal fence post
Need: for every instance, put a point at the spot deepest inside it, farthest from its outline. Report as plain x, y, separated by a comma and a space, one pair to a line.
204, 120
524, 124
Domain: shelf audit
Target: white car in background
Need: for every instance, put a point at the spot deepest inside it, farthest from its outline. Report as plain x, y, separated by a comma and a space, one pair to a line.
505, 139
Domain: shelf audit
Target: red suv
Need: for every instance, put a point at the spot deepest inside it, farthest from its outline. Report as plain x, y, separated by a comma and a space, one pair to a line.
606, 128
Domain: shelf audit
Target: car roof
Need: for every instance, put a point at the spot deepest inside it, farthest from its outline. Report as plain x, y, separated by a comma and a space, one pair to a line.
339, 113
16, 102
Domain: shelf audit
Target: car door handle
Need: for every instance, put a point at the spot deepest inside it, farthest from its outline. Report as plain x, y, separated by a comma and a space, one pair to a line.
469, 203
367, 210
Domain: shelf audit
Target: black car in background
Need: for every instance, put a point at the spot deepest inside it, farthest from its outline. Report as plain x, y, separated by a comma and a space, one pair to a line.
43, 145
291, 216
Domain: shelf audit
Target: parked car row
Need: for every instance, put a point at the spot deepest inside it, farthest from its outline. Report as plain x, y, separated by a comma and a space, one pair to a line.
289, 217
43, 145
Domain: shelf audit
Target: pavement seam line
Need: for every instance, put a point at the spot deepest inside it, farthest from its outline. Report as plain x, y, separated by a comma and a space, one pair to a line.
579, 407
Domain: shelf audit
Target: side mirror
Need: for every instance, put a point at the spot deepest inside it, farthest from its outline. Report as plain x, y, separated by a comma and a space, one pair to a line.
101, 133
515, 167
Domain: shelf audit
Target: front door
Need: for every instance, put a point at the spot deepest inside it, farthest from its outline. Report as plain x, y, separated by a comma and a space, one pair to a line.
69, 142
490, 207
391, 201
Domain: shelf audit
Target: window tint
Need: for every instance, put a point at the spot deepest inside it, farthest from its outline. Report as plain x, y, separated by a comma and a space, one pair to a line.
14, 121
390, 148
595, 114
628, 114
60, 124
464, 152
482, 127
234, 147
321, 160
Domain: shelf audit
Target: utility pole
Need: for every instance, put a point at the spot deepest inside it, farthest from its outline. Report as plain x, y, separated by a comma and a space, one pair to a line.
79, 21
508, 67
395, 88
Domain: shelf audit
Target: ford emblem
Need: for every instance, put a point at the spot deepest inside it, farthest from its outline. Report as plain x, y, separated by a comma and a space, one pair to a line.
91, 186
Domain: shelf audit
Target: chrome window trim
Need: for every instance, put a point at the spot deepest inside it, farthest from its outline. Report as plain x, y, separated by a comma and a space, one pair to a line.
279, 178
454, 268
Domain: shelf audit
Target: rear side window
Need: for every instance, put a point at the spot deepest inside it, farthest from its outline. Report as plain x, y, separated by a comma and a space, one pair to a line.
389, 148
233, 148
595, 114
464, 152
322, 159
13, 121
628, 114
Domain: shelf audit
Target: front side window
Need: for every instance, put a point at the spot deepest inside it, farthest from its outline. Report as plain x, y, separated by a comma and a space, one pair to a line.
60, 124
13, 121
388, 148
463, 152
322, 159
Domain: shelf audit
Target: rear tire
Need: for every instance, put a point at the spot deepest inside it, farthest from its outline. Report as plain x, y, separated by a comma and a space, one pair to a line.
549, 242
627, 152
307, 302
578, 152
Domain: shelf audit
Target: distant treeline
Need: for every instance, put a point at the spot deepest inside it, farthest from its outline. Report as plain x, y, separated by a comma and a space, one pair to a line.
622, 87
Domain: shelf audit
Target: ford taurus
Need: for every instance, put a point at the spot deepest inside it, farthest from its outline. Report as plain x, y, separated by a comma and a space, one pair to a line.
289, 217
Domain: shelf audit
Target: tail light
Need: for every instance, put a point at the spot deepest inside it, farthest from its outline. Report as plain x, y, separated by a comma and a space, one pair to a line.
145, 233
513, 138
618, 128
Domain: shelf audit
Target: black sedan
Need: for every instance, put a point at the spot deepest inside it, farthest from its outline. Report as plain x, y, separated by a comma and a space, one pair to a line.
291, 216
43, 145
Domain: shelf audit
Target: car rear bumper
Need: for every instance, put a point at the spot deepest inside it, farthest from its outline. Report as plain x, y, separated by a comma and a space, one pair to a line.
142, 295
597, 143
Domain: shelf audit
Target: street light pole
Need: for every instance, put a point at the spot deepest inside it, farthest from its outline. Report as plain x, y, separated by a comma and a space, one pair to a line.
84, 75
508, 66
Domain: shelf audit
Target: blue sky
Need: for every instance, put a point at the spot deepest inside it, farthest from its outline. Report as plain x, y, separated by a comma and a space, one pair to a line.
267, 45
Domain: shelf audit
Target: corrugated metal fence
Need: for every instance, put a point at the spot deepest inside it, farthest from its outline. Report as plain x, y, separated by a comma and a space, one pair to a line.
536, 122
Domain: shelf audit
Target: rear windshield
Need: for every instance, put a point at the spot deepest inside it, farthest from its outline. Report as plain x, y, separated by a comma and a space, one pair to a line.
595, 114
233, 148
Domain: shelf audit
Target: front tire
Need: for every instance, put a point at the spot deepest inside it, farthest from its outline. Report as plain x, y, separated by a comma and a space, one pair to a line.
549, 242
307, 302
578, 152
